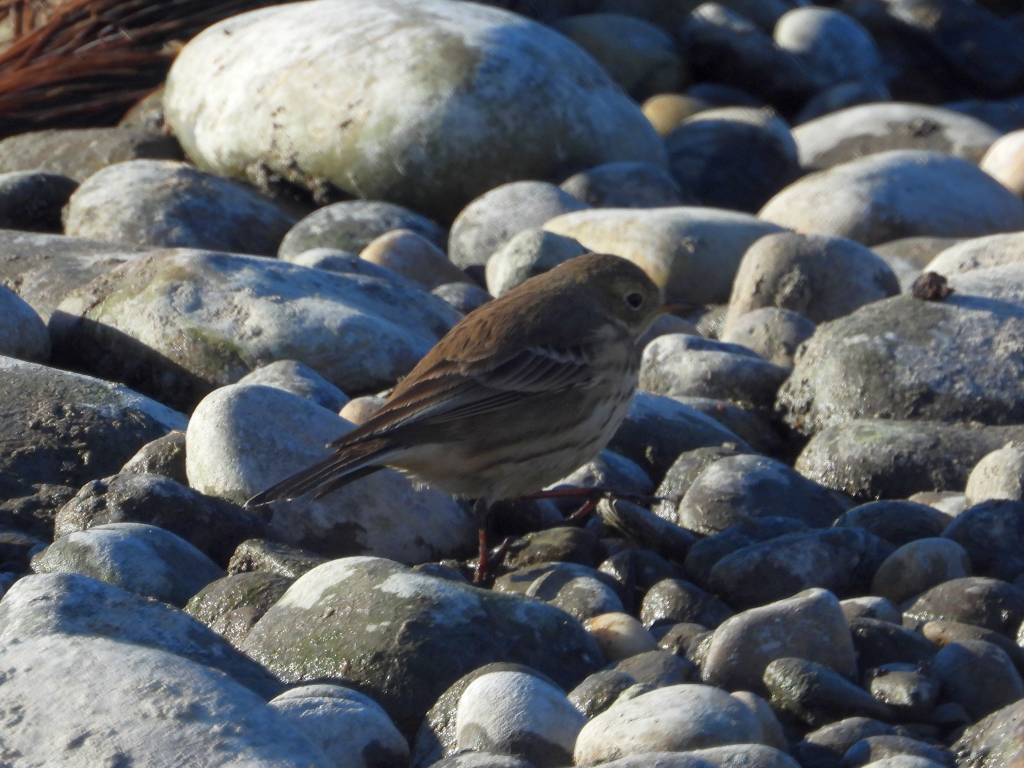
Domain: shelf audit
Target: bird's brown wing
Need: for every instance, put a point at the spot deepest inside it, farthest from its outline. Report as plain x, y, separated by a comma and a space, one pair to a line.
449, 392
452, 391
340, 468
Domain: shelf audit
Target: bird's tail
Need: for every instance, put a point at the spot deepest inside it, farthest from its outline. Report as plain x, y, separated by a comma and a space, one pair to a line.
345, 465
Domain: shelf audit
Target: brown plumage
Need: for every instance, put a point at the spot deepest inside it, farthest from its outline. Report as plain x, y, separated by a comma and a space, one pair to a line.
518, 394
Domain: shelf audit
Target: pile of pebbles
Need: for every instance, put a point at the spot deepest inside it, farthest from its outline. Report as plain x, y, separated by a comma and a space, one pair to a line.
814, 553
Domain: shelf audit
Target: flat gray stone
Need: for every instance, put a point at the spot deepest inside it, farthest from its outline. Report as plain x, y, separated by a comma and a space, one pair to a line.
872, 128
907, 359
42, 269
882, 458
180, 323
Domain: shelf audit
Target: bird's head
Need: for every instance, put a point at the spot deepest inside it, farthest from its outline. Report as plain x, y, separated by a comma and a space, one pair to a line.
623, 290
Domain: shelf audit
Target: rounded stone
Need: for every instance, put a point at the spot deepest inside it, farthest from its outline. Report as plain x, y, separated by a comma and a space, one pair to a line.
906, 359
978, 600
817, 694
153, 707
978, 253
450, 630
626, 185
677, 718
692, 253
880, 751
810, 625
599, 691
873, 458
179, 323
838, 559
352, 225
679, 365
675, 600
242, 439
527, 254
919, 565
992, 532
818, 276
463, 297
868, 129
667, 111
347, 726
171, 204
213, 526
900, 193
734, 488
833, 47
619, 635
259, 92
979, 675
518, 714
732, 157
491, 220
299, 379
898, 522
774, 334
23, 333
136, 557
414, 257
638, 55
999, 475
1004, 161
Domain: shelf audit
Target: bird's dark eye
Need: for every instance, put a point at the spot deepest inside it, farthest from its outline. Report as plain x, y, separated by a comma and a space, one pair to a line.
635, 300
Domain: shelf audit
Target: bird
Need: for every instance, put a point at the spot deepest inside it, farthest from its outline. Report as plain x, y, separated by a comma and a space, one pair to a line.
519, 393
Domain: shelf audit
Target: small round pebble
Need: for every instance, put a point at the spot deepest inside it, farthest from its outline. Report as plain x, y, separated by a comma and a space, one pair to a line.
518, 714
619, 635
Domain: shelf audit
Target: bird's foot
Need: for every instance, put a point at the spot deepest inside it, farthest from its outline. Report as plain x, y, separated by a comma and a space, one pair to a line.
591, 496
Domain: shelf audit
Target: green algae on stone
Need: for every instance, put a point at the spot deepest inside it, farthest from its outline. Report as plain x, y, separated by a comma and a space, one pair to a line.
404, 637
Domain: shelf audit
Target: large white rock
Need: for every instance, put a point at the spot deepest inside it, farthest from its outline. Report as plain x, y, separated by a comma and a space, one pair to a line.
242, 439
177, 323
427, 103
89, 701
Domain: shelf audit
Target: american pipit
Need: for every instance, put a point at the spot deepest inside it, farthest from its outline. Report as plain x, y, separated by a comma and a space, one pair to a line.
518, 394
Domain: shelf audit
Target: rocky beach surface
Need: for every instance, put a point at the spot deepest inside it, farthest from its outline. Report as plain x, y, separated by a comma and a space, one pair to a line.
811, 554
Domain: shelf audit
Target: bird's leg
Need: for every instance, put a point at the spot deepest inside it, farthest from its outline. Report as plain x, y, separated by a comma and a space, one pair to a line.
591, 495
481, 508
